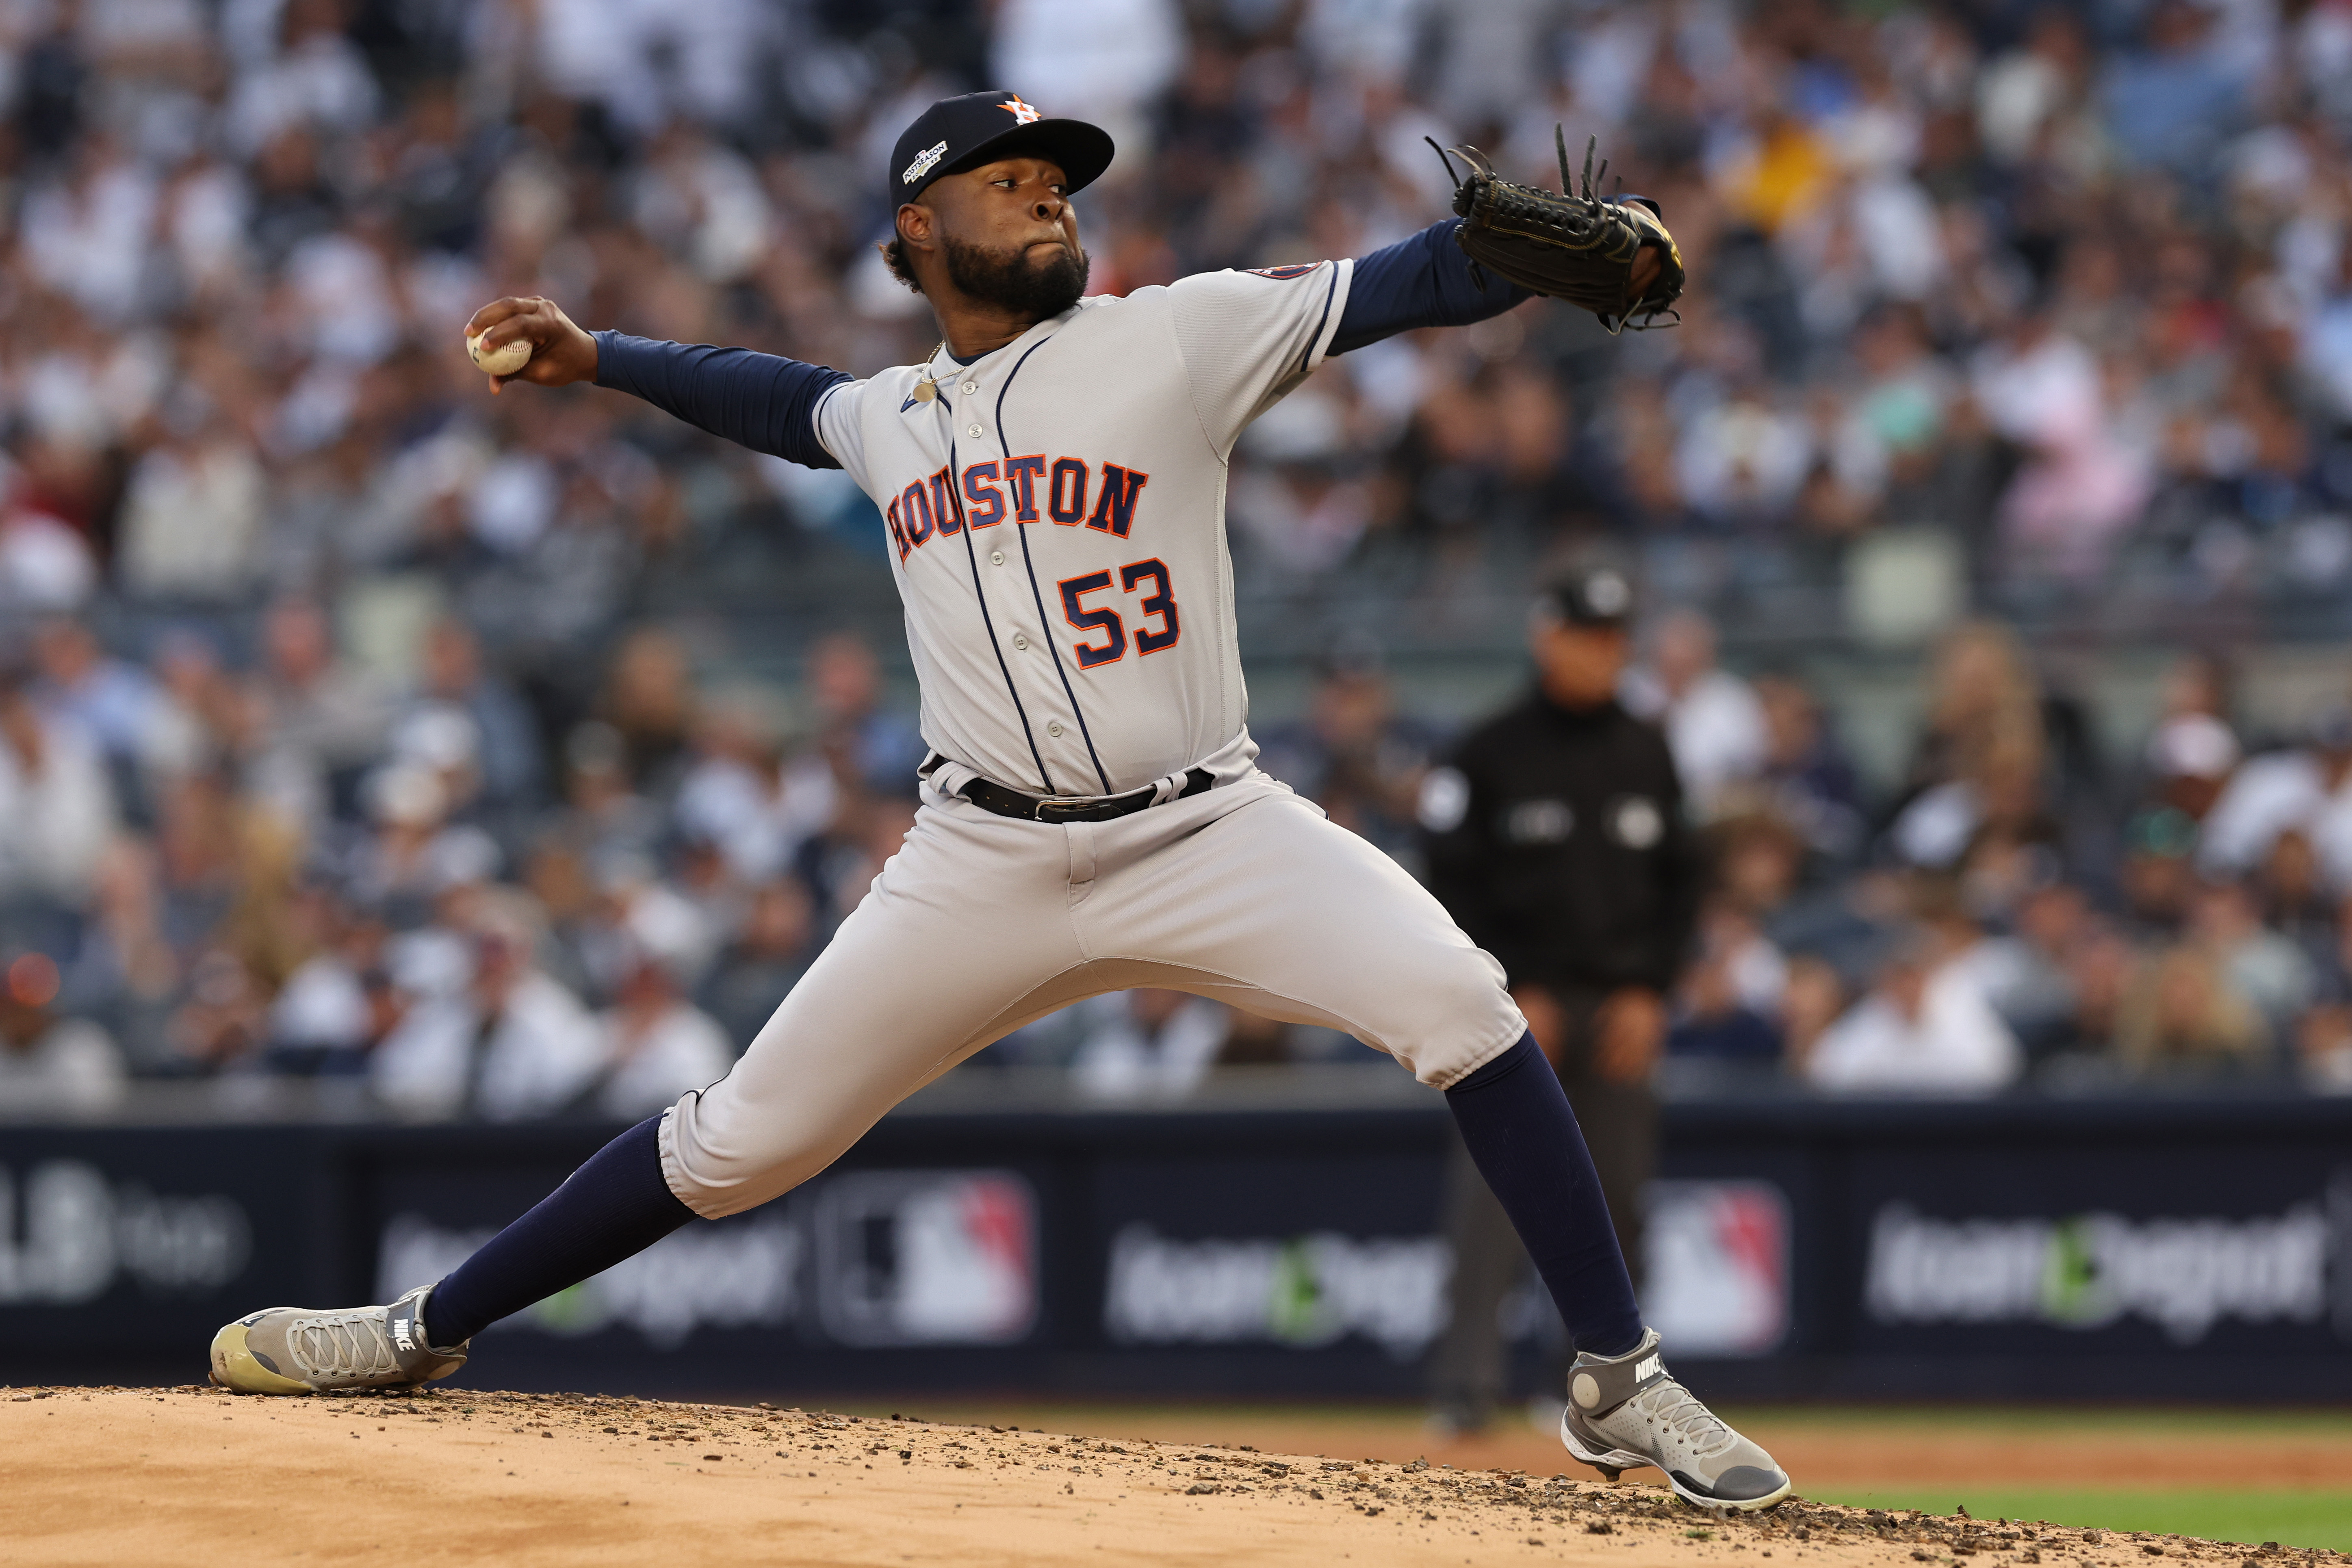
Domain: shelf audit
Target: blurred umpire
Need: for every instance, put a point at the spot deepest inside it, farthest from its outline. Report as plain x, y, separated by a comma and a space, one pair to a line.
1556, 839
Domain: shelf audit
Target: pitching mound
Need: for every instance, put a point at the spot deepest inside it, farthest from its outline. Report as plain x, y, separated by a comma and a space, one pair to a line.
198, 1476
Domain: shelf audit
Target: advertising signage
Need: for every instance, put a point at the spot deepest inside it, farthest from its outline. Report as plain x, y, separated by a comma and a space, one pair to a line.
1801, 1249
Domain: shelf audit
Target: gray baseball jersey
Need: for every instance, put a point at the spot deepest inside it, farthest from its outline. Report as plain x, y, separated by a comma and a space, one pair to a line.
1056, 512
1056, 521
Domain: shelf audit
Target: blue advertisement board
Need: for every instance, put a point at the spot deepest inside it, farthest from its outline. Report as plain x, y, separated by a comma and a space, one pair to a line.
1794, 1250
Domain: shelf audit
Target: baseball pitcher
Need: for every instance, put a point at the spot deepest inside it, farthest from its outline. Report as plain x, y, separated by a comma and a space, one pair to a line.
1052, 480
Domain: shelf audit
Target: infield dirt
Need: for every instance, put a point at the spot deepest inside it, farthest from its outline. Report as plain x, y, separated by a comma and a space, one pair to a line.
199, 1477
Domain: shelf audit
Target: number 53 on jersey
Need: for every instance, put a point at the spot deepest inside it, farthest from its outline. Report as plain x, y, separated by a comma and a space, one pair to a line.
1158, 605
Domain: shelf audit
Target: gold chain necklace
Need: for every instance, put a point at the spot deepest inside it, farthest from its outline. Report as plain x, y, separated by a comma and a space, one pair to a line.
929, 387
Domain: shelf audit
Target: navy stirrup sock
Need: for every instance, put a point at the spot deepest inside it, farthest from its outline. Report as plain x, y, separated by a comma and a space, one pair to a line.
1520, 1133
612, 1207
1524, 1140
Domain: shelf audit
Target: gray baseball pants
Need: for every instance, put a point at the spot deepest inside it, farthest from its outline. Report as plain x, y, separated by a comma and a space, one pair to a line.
982, 923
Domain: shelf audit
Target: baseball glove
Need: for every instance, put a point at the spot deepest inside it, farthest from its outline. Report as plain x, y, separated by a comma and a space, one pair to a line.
1568, 246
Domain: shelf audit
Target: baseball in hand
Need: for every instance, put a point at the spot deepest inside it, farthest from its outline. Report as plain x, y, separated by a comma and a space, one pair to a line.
504, 360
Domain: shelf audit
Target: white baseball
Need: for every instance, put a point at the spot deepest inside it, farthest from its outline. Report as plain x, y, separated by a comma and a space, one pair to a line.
504, 360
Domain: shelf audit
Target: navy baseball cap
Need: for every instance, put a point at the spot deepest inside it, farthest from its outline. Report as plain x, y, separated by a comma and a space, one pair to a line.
958, 133
1599, 595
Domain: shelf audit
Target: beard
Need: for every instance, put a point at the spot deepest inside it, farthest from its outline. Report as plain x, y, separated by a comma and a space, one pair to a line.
1008, 280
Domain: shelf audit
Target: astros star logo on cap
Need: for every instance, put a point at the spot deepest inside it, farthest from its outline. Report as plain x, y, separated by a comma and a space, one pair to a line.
1022, 113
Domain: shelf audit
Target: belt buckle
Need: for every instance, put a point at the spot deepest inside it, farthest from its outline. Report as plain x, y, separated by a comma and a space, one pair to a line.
1057, 810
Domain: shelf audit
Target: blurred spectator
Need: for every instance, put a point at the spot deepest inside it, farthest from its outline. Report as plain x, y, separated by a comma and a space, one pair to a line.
2183, 1011
506, 738
1980, 759
1713, 719
746, 798
658, 1044
2190, 760
50, 1063
414, 853
2294, 899
649, 702
1147, 1044
258, 937
124, 970
1354, 755
2322, 1037
1811, 1000
510, 1044
323, 718
870, 745
56, 806
1106, 59
2170, 100
1925, 1027
2080, 487
768, 954
607, 819
328, 645
1807, 779
2262, 965
1730, 1001
2325, 1051
1727, 1006
2193, 750
111, 701
2158, 874
2029, 974
636, 913
336, 1005
2298, 790
192, 519
839, 865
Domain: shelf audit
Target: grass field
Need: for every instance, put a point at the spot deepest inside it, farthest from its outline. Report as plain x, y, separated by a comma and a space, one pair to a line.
2290, 1516
2238, 1475
2283, 1476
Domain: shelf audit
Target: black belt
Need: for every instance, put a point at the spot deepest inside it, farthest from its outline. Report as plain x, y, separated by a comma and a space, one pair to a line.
1013, 803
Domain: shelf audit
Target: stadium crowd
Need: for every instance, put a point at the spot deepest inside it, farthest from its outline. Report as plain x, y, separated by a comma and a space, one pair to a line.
343, 732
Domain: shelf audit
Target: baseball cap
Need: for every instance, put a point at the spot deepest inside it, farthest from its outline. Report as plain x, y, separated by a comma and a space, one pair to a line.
958, 133
1593, 595
2192, 746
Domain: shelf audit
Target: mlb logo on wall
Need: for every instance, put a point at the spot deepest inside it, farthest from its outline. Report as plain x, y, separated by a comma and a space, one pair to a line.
927, 1258
1718, 1266
83, 1233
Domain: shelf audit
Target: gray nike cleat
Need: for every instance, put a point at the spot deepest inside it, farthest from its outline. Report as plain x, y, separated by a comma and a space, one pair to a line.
302, 1349
1624, 1412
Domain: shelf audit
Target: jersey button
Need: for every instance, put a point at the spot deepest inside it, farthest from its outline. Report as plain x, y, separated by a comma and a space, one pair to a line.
1055, 730
996, 558
973, 431
970, 387
1020, 642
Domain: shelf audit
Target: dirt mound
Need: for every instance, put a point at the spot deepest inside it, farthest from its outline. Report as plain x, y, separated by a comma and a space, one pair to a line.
198, 1476
1949, 1453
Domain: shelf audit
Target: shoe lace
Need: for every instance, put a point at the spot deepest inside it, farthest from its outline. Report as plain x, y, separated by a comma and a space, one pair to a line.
348, 1344
1697, 1427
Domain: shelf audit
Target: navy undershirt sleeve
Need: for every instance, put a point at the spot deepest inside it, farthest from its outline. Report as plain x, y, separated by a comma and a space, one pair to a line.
764, 401
1421, 282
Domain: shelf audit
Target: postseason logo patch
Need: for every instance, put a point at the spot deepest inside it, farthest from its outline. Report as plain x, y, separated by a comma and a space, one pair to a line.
924, 162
